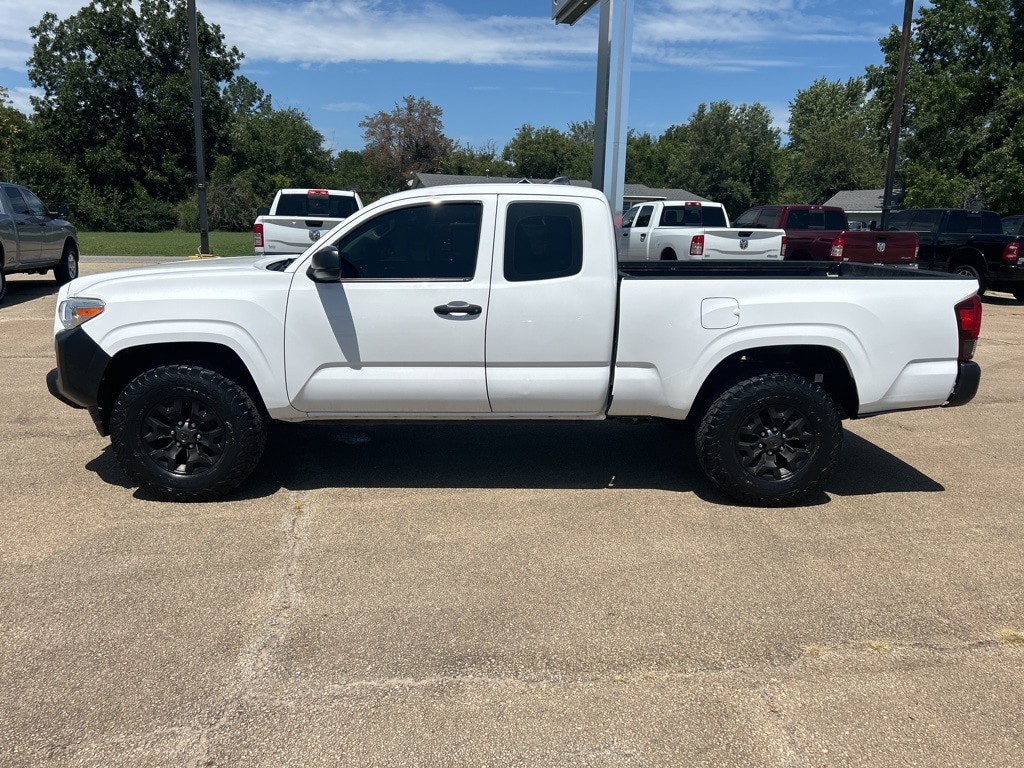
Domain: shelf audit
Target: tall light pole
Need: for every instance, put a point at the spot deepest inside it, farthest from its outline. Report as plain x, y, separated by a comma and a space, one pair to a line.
613, 69
197, 120
897, 113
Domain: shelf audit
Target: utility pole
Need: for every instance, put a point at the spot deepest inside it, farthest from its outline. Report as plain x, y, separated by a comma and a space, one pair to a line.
897, 114
615, 41
197, 119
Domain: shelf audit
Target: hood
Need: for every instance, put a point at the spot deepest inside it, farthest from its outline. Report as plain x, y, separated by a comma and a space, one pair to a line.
206, 269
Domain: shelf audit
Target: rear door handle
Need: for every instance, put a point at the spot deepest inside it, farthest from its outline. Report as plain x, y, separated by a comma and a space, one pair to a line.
459, 308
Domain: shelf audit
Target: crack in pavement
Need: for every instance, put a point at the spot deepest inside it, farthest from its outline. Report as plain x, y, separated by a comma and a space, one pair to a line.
255, 662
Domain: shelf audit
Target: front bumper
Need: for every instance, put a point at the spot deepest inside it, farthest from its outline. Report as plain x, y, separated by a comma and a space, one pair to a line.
81, 364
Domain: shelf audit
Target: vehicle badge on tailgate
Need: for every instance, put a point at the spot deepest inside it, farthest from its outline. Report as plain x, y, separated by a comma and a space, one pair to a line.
880, 245
314, 235
744, 244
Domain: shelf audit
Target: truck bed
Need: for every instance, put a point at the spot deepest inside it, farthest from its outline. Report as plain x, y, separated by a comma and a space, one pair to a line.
771, 270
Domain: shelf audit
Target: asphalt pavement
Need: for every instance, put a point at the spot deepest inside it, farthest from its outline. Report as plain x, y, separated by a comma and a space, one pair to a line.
511, 594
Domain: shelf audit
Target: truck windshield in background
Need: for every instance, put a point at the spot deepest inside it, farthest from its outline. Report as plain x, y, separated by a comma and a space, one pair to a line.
317, 203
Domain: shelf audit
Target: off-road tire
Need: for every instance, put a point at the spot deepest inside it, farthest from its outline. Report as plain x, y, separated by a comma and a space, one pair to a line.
185, 433
67, 268
771, 440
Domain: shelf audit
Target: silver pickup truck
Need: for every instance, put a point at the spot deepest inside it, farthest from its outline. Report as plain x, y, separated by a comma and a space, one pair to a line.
34, 239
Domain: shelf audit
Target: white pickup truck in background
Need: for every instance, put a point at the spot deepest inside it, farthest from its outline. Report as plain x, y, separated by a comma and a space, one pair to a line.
298, 217
693, 231
499, 301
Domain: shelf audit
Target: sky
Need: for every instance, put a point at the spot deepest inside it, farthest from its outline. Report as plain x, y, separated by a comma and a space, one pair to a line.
493, 66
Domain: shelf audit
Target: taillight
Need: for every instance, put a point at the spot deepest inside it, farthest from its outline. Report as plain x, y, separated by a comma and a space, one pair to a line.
697, 245
1011, 253
837, 249
782, 250
257, 235
968, 324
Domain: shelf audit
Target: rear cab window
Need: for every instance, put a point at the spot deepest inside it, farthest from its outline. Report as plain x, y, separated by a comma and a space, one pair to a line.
314, 203
543, 241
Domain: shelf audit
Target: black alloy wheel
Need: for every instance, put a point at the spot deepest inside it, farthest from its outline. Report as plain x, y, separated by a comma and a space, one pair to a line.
187, 433
770, 440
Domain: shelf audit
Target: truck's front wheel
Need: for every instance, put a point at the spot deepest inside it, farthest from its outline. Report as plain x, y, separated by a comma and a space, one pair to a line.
770, 440
186, 433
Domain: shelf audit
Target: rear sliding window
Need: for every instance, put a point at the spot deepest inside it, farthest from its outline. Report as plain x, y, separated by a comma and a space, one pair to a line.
815, 219
692, 216
328, 206
974, 222
543, 241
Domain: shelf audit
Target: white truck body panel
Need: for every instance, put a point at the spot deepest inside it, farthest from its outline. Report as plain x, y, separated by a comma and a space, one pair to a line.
915, 367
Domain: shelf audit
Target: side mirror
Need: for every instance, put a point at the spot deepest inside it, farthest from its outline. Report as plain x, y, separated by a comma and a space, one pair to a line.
325, 267
263, 211
61, 212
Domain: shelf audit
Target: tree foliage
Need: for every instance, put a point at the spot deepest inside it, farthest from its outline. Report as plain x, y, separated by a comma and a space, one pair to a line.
962, 143
831, 143
116, 102
725, 153
409, 139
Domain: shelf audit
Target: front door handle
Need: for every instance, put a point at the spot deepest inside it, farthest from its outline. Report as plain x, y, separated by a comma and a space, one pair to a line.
459, 308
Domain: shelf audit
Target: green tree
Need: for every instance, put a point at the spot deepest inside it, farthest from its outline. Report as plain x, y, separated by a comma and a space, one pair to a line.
409, 139
547, 153
725, 153
831, 143
962, 139
13, 126
116, 103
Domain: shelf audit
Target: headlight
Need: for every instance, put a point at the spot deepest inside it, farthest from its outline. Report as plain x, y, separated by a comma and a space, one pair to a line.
74, 312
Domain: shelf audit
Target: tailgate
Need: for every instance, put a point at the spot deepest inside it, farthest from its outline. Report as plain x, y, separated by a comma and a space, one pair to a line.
726, 243
889, 247
293, 234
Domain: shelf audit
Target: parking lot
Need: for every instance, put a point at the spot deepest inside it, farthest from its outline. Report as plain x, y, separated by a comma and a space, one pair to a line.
512, 594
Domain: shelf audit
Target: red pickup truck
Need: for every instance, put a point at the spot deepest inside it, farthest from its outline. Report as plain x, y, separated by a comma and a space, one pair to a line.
822, 233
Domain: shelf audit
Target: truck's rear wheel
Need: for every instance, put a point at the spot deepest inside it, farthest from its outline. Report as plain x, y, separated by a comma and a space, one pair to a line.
3, 279
668, 255
770, 440
186, 434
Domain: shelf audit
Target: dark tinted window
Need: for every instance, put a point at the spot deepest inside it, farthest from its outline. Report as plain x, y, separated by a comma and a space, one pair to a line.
902, 221
17, 200
835, 220
747, 218
768, 218
644, 218
692, 216
543, 241
421, 242
628, 216
312, 205
1013, 225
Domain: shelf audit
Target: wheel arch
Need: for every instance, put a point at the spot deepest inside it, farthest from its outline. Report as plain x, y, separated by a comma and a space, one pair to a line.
970, 256
820, 364
130, 362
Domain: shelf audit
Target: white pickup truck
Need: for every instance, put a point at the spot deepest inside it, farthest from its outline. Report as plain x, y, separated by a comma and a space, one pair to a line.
297, 217
693, 231
484, 302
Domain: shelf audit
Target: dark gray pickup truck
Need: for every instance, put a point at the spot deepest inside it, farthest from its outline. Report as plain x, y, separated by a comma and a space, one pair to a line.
33, 239
965, 242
